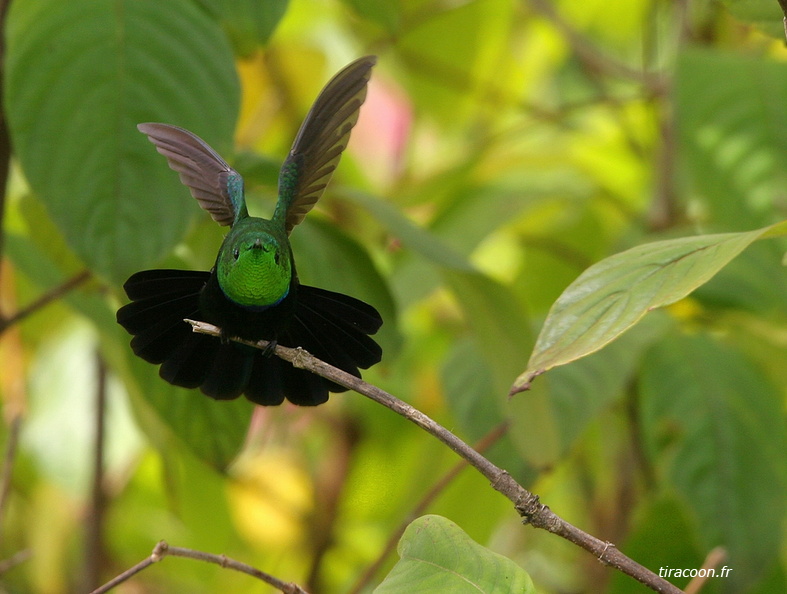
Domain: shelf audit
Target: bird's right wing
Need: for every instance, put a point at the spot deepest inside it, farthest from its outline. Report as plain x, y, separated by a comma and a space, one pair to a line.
320, 141
217, 187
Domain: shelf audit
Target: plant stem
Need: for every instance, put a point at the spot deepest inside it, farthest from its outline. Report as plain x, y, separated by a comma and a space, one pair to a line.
162, 549
526, 503
95, 551
45, 299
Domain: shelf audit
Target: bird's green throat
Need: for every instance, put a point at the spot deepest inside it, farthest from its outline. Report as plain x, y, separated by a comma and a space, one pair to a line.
253, 268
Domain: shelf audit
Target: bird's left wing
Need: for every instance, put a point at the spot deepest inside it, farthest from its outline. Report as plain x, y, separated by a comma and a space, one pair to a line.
320, 141
216, 186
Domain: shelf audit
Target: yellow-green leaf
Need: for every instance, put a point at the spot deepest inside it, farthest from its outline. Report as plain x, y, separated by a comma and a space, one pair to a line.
614, 294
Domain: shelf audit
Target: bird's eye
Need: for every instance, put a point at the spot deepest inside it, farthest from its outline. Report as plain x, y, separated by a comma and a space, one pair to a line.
236, 253
276, 257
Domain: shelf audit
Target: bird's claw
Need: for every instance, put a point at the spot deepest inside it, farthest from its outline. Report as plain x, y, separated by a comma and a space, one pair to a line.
269, 348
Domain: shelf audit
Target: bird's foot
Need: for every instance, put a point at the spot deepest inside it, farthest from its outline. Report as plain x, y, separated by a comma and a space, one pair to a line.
269, 349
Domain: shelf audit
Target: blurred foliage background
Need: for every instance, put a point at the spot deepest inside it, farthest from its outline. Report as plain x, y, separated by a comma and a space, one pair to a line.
505, 146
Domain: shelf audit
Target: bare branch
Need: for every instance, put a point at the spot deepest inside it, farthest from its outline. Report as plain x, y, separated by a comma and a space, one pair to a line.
783, 4
14, 560
525, 502
8, 467
714, 558
162, 549
5, 141
594, 60
95, 548
45, 299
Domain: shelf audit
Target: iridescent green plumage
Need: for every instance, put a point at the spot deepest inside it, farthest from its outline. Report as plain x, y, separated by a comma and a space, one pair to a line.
253, 289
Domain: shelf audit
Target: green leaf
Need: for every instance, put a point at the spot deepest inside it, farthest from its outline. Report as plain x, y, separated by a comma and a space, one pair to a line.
38, 266
497, 320
437, 556
477, 406
754, 282
714, 426
614, 294
732, 133
79, 76
554, 414
415, 238
214, 431
764, 14
383, 12
651, 541
250, 23
318, 247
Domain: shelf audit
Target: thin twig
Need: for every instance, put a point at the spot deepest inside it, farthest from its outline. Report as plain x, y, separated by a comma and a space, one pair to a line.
418, 510
162, 549
45, 299
714, 558
5, 141
95, 551
525, 502
587, 53
783, 4
14, 560
330, 486
8, 468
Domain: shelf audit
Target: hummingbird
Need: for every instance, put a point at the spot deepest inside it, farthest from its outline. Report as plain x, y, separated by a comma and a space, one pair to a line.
253, 291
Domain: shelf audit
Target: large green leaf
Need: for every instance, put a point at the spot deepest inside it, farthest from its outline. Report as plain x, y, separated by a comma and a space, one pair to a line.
477, 405
250, 23
754, 282
554, 414
714, 426
213, 430
328, 258
496, 319
762, 13
651, 541
614, 294
732, 133
79, 76
437, 556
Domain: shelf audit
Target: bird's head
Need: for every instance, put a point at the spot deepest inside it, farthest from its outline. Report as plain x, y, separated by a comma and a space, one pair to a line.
254, 269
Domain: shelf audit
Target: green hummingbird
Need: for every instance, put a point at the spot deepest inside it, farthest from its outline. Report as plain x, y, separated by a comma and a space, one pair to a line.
252, 291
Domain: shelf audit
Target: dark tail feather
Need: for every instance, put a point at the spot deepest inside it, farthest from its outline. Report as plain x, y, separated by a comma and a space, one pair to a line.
160, 301
229, 371
349, 309
188, 364
266, 386
331, 326
272, 378
337, 328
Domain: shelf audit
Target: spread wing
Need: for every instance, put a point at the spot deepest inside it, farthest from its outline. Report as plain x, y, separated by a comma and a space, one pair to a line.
217, 187
320, 141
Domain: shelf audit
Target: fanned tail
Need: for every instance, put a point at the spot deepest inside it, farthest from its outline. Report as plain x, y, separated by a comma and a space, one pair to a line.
331, 326
334, 328
161, 299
